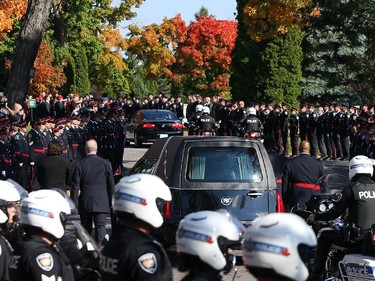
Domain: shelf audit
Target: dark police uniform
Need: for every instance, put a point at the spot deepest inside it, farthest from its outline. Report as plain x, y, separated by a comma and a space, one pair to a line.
303, 123
299, 178
206, 123
293, 127
134, 256
359, 198
344, 126
203, 276
5, 258
35, 260
284, 127
21, 151
311, 133
251, 124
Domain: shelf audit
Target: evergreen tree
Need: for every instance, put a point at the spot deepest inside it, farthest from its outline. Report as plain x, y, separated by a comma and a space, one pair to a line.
81, 75
336, 53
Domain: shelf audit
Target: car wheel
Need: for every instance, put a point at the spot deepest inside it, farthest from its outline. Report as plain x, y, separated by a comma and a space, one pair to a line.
137, 141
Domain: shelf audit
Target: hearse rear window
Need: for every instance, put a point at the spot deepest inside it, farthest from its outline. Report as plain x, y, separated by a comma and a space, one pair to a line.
213, 164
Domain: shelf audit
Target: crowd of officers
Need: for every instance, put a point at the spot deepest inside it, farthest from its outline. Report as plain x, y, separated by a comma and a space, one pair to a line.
21, 148
335, 131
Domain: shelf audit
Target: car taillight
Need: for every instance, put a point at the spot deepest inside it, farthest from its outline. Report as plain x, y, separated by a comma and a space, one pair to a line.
167, 210
177, 126
279, 203
254, 134
148, 126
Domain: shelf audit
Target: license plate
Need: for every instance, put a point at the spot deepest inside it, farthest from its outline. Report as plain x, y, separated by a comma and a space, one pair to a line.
163, 136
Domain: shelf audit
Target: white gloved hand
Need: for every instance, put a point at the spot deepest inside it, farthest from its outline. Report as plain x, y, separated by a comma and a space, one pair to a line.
20, 164
4, 173
32, 163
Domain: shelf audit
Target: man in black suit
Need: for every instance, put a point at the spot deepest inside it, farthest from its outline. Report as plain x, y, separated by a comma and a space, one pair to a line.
93, 177
300, 176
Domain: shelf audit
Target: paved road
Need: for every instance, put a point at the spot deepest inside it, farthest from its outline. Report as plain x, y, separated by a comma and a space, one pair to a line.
132, 155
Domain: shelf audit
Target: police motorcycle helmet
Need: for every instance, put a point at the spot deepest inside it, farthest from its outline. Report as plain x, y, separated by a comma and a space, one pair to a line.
205, 237
142, 196
206, 110
46, 210
279, 244
199, 108
360, 165
251, 111
9, 195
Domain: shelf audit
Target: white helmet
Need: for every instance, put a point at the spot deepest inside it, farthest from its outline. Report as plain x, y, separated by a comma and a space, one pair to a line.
206, 109
8, 195
207, 235
198, 108
360, 164
141, 195
279, 242
251, 111
47, 210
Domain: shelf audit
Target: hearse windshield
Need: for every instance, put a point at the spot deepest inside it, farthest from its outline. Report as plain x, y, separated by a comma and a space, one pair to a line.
213, 164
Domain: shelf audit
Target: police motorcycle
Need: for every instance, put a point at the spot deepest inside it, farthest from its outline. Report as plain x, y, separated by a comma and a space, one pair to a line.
341, 263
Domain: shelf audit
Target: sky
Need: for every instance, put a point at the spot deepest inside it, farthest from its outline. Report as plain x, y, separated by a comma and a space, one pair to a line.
153, 11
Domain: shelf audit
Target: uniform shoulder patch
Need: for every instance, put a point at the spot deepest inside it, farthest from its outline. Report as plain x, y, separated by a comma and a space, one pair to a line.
148, 263
45, 261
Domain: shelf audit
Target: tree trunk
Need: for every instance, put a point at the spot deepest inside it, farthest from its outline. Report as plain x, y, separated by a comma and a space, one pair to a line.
27, 46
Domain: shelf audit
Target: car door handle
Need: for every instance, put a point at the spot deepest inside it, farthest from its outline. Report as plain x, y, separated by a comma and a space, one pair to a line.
254, 194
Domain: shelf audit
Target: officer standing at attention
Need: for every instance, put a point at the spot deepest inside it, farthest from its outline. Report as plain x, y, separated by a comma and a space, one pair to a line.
299, 176
276, 247
359, 200
38, 257
303, 122
284, 125
294, 130
202, 240
132, 253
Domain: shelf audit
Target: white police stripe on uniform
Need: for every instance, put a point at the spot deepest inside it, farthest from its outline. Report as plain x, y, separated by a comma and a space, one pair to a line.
148, 263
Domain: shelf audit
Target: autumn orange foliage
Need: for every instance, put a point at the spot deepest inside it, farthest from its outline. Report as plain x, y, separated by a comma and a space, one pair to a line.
10, 10
47, 77
204, 58
114, 44
266, 19
155, 45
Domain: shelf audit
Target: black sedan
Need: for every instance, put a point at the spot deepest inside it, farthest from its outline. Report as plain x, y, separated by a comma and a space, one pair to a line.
150, 125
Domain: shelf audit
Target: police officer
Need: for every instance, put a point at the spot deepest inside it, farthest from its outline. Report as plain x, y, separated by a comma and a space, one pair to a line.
21, 151
359, 199
303, 122
206, 123
201, 260
276, 247
299, 176
294, 130
284, 127
38, 257
9, 198
336, 130
311, 130
132, 253
344, 128
251, 123
326, 130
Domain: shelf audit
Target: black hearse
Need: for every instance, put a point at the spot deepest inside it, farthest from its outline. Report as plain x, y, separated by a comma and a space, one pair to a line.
211, 173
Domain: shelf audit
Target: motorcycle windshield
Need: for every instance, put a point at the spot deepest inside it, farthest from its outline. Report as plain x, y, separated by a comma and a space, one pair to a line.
331, 184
